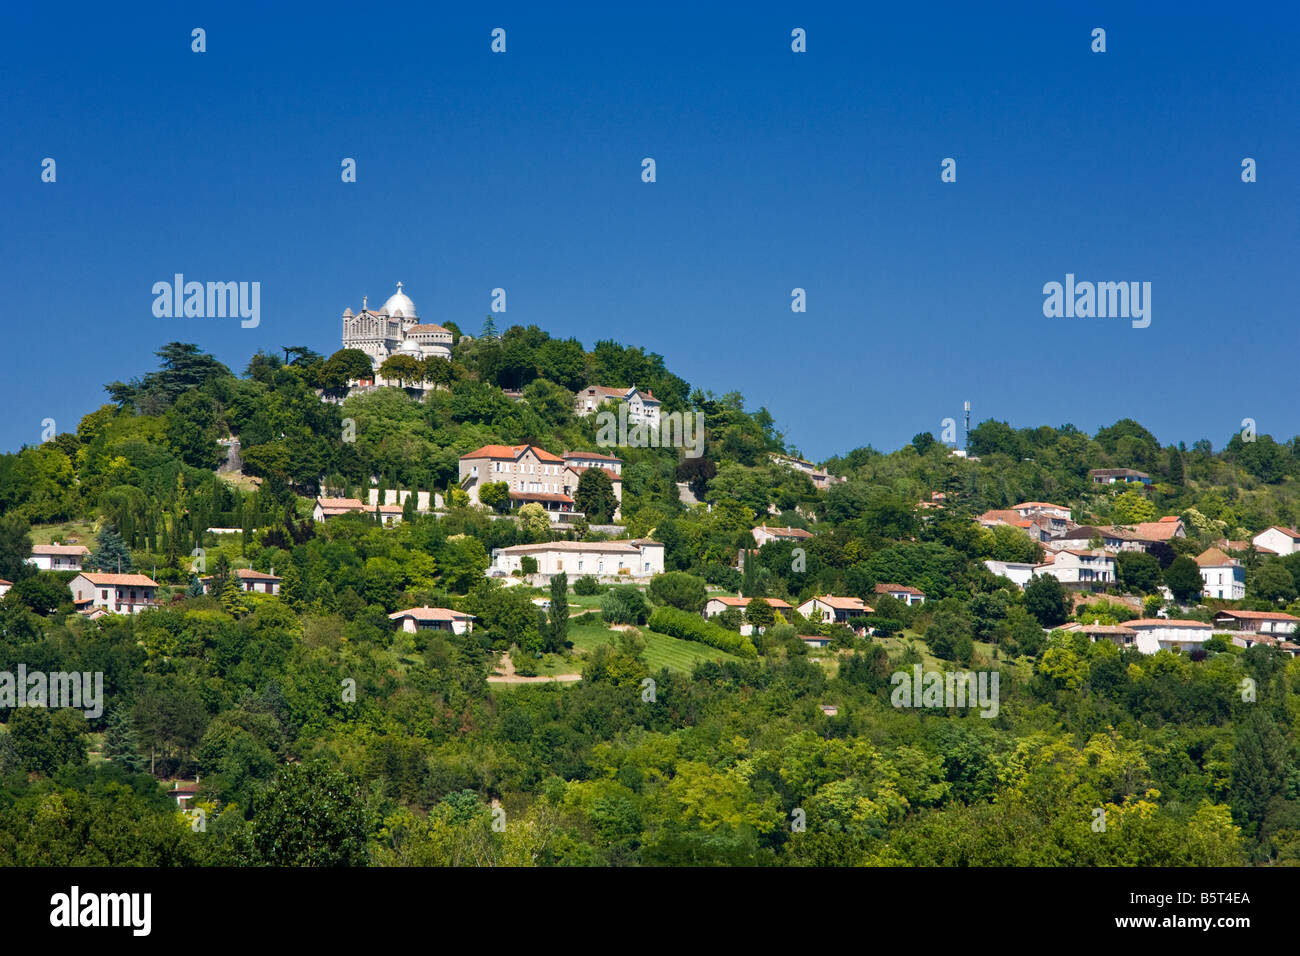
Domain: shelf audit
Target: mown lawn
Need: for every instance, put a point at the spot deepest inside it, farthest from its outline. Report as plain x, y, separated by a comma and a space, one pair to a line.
661, 650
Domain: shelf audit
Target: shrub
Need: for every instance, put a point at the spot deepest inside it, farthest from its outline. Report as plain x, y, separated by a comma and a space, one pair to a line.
678, 589
624, 604
690, 627
587, 586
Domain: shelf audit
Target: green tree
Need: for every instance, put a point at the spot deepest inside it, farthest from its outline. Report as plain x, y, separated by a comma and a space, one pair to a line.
678, 589
1045, 600
760, 614
1130, 508
624, 604
110, 553
1273, 582
121, 744
401, 368
15, 547
310, 815
594, 496
1183, 578
292, 592
1138, 572
558, 632
46, 741
495, 495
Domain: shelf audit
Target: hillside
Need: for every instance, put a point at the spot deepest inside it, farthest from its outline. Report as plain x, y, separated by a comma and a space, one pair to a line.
261, 695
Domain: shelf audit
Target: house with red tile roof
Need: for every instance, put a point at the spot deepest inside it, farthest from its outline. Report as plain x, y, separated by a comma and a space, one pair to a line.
326, 508
716, 605
531, 473
1279, 540
1223, 577
763, 534
1258, 622
433, 619
1028, 509
642, 406
900, 592
118, 593
58, 557
829, 609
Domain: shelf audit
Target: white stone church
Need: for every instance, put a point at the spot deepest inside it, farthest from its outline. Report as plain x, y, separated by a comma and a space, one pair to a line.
394, 329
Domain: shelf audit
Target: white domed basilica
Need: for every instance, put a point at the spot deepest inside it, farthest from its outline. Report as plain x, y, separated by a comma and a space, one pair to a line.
394, 329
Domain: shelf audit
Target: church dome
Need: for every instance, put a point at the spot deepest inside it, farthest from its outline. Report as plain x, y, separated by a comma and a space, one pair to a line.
399, 301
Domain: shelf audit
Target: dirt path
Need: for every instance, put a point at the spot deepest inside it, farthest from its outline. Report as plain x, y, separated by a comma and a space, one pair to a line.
507, 675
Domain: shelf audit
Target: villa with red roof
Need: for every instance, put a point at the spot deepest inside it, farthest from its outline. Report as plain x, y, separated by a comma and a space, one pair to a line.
900, 592
642, 406
716, 605
1259, 622
58, 557
1028, 509
118, 593
246, 579
763, 534
534, 474
326, 508
1223, 577
433, 619
829, 609
1278, 540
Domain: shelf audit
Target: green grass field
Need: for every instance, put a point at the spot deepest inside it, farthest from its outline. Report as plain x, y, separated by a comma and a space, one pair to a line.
661, 650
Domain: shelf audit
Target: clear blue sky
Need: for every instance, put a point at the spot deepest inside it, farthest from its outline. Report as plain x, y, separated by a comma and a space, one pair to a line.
775, 170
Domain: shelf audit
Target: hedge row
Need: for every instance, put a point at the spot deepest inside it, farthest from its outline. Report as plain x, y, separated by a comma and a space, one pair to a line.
692, 627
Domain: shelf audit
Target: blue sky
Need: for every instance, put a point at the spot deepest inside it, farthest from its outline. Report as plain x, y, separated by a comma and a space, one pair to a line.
775, 170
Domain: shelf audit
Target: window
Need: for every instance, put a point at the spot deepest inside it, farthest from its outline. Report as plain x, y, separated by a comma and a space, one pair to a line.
103, 595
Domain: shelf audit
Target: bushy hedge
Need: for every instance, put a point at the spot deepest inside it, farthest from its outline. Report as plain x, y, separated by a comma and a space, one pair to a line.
691, 627
624, 604
587, 586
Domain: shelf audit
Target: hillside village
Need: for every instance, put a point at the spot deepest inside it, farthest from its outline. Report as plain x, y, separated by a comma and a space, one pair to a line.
434, 518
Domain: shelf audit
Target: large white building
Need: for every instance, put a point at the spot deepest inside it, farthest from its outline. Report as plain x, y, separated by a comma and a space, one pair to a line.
631, 558
394, 329
1223, 577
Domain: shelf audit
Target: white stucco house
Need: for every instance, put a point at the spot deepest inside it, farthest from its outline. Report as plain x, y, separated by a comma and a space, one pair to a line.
642, 406
58, 557
1169, 634
635, 558
901, 592
1278, 540
1092, 569
1223, 577
1018, 572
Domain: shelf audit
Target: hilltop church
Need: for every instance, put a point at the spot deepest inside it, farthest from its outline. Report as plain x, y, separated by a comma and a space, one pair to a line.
394, 329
